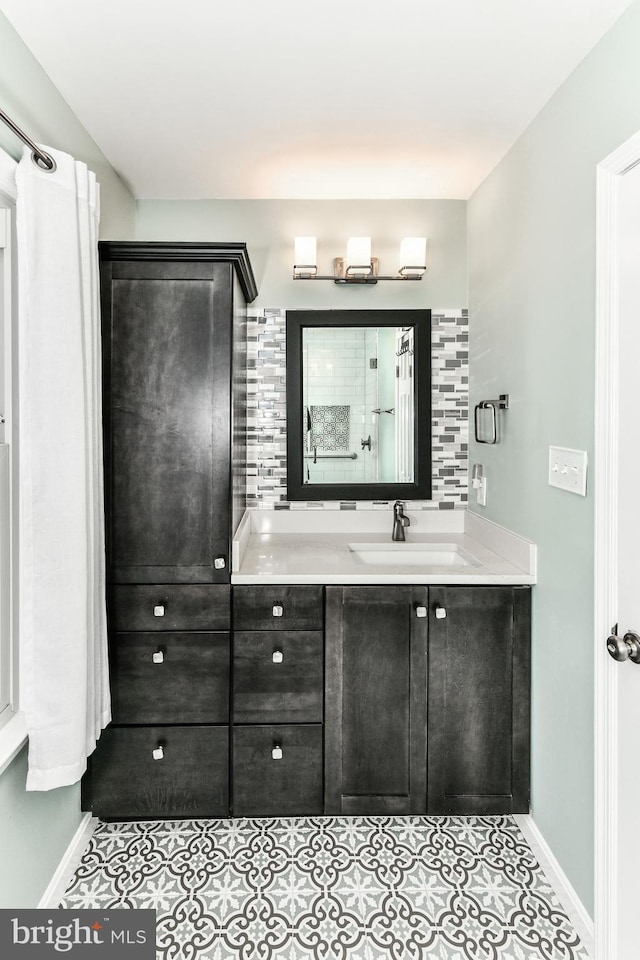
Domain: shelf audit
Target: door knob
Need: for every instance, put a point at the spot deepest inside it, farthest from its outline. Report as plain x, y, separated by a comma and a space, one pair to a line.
277, 656
158, 610
421, 611
158, 753
219, 563
276, 751
158, 656
441, 613
624, 648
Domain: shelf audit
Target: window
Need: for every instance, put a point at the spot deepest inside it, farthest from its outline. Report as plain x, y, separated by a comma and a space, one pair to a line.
12, 728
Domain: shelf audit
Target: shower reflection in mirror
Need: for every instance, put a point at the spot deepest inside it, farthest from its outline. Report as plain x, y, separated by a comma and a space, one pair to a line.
358, 404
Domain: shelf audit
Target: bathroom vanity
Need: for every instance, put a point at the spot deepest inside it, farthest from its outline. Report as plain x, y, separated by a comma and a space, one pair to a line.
334, 671
342, 688
426, 654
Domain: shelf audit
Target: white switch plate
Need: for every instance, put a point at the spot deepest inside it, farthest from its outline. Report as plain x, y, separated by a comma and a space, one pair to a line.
568, 469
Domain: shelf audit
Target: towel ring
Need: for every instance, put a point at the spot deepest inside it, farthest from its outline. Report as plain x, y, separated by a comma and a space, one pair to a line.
502, 403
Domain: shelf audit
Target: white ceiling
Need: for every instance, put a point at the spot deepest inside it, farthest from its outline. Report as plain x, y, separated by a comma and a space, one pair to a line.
287, 99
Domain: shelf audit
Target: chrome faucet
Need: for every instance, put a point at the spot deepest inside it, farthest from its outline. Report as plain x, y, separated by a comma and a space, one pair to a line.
400, 521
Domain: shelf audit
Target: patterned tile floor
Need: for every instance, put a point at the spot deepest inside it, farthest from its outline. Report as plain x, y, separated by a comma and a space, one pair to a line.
359, 888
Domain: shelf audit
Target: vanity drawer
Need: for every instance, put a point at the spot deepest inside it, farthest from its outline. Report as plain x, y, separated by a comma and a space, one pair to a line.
278, 607
265, 785
278, 677
172, 678
125, 781
170, 607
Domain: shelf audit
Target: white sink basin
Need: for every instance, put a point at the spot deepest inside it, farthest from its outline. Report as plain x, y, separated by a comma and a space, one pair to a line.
413, 554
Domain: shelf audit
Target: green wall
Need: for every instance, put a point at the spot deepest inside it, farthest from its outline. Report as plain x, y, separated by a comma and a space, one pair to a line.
532, 307
35, 831
269, 226
30, 99
36, 828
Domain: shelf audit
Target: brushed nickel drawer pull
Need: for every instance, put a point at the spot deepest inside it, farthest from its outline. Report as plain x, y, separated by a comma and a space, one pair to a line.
277, 610
278, 656
158, 753
158, 610
276, 752
219, 563
421, 611
441, 613
158, 656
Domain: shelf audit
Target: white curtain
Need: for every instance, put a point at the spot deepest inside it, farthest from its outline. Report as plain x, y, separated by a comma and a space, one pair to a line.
64, 683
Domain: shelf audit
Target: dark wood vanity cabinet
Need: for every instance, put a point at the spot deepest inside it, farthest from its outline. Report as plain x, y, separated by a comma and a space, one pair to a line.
277, 713
173, 326
427, 700
174, 338
375, 699
368, 700
478, 700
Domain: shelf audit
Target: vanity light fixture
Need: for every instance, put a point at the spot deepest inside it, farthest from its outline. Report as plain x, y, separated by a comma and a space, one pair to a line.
359, 266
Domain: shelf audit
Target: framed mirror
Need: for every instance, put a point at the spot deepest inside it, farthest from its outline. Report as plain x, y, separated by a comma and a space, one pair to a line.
358, 404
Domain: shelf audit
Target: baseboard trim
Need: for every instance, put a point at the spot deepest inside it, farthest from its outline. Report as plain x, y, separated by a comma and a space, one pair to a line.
575, 909
67, 866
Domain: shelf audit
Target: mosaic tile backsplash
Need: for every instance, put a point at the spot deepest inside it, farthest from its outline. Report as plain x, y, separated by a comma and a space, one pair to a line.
267, 414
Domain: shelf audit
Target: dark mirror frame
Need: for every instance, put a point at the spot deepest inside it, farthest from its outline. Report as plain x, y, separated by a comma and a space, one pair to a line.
420, 488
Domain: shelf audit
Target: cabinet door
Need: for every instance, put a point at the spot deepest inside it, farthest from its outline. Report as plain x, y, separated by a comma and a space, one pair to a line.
479, 700
375, 710
167, 373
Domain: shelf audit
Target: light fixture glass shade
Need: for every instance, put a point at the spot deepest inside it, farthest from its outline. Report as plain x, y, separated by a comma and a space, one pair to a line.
359, 255
304, 256
413, 255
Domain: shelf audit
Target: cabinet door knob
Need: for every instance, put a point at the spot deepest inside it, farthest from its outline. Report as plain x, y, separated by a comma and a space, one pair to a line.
421, 611
158, 753
219, 563
158, 657
276, 752
158, 610
277, 656
277, 610
441, 613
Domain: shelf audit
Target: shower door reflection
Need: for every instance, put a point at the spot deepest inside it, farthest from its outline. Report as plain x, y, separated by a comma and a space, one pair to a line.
358, 401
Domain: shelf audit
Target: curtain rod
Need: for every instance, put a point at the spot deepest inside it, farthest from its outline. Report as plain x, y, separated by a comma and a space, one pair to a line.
39, 157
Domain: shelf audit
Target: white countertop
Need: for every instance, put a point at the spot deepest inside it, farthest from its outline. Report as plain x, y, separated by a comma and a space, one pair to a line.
312, 546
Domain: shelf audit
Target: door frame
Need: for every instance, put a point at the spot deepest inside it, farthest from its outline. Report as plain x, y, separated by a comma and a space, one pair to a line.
608, 172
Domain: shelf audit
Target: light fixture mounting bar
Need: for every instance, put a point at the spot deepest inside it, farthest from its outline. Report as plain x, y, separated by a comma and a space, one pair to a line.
356, 279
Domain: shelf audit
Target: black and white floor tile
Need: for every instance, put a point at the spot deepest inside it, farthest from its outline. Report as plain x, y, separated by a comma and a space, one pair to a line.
344, 888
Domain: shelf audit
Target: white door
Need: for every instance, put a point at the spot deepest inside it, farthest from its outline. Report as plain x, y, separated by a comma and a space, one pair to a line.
618, 563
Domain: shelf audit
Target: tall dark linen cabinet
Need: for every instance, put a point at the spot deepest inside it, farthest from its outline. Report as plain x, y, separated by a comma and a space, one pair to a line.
174, 356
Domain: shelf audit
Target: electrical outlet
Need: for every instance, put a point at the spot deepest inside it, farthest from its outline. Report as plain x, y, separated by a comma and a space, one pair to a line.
481, 492
568, 470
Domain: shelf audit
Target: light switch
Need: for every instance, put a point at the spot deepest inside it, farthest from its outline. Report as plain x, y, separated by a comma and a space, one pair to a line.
568, 469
